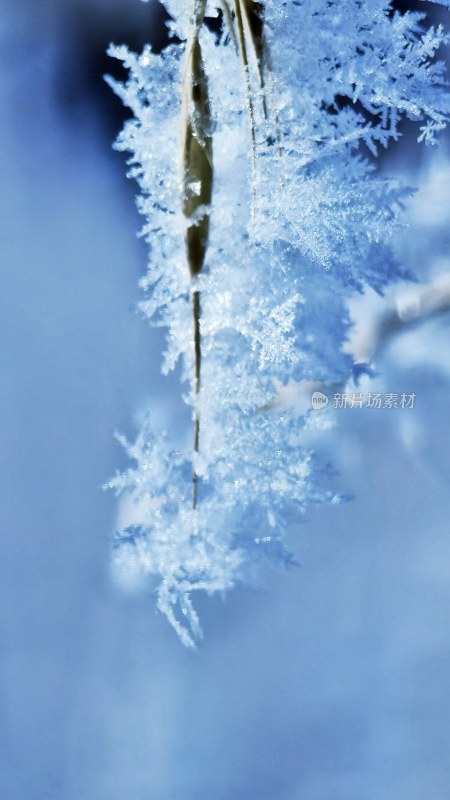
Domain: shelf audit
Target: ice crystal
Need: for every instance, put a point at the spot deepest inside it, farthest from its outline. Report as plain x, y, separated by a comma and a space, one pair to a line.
282, 119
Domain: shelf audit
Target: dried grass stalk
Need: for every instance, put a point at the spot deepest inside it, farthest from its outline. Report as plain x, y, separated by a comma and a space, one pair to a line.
197, 181
245, 24
253, 20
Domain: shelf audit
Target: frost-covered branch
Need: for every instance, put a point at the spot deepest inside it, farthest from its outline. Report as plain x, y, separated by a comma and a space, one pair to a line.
278, 217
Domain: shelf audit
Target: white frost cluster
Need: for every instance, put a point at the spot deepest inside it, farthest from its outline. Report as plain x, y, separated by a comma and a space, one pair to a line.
293, 231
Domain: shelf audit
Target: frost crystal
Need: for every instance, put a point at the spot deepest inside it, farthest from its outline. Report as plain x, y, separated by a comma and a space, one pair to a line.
254, 155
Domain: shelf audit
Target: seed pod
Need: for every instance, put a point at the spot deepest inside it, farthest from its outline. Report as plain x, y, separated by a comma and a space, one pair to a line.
197, 159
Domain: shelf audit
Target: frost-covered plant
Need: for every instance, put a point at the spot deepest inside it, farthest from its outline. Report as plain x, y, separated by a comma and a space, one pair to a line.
254, 152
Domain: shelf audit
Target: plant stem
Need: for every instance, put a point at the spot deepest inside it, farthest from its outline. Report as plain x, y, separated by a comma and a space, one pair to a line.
197, 167
198, 355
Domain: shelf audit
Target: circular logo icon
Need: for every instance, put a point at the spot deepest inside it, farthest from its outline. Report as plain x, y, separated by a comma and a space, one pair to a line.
319, 400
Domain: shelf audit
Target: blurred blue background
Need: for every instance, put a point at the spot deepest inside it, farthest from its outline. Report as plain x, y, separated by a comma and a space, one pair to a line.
331, 684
